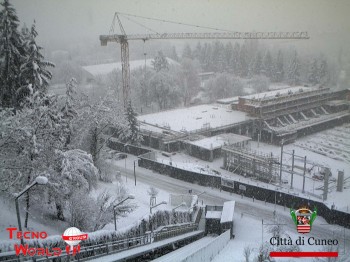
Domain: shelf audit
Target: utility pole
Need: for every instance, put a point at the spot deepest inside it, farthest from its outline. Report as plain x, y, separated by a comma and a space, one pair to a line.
282, 142
304, 175
291, 182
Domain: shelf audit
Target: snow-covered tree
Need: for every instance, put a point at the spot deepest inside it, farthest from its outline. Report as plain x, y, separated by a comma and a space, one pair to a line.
260, 83
243, 61
153, 193
234, 63
174, 55
206, 57
293, 75
93, 120
188, 79
312, 76
223, 86
29, 141
75, 171
279, 67
187, 52
218, 57
34, 68
160, 62
69, 109
197, 52
268, 69
164, 90
323, 72
258, 64
133, 134
11, 55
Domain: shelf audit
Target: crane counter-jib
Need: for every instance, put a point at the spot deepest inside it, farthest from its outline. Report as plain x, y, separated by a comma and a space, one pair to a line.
226, 35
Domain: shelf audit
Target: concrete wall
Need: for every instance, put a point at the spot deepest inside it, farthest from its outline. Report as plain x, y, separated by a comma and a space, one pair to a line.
207, 253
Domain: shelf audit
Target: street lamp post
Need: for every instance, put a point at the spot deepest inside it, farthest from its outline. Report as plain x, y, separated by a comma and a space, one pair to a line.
124, 149
135, 170
173, 211
161, 203
114, 209
150, 211
40, 180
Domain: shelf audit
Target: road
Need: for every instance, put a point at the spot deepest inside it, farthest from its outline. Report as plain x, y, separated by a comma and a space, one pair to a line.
245, 206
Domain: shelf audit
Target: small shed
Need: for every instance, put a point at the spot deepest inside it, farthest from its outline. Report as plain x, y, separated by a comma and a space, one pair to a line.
220, 218
209, 148
226, 220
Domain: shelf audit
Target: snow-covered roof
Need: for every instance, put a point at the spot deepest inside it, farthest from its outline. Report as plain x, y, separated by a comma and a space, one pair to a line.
218, 141
281, 92
213, 215
104, 69
194, 118
228, 211
228, 100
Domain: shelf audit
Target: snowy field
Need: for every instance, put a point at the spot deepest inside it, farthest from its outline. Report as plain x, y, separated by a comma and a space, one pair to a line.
194, 118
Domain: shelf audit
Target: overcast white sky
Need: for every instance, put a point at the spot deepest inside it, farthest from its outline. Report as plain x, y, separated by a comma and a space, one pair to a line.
327, 21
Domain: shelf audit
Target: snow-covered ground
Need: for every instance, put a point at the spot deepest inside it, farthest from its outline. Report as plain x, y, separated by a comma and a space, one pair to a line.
249, 232
336, 160
142, 201
248, 214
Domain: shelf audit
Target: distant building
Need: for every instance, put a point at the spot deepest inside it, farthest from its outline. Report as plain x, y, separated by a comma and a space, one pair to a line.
293, 112
204, 77
102, 70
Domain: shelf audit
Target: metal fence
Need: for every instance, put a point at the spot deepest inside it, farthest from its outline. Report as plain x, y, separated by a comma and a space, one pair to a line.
112, 247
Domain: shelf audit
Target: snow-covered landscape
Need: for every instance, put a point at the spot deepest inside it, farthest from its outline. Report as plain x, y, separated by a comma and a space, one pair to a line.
174, 131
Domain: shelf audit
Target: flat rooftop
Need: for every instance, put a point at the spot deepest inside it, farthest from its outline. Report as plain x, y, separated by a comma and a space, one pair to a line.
194, 118
218, 141
280, 92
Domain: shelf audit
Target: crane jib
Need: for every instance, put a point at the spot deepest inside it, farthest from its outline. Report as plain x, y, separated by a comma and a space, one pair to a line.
226, 35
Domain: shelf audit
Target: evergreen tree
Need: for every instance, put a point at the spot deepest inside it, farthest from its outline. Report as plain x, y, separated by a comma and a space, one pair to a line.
323, 73
69, 108
243, 61
293, 70
312, 76
187, 52
11, 55
33, 70
257, 66
268, 69
174, 55
234, 63
279, 67
218, 60
198, 51
208, 63
133, 136
160, 62
228, 57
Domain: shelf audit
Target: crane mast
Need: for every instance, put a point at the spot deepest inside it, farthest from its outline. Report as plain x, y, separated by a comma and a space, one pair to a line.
123, 39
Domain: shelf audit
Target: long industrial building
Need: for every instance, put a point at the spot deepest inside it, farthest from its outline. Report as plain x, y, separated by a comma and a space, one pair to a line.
272, 117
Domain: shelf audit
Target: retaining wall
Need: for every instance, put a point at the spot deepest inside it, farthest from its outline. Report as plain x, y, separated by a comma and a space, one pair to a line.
208, 252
